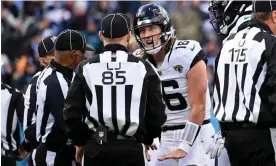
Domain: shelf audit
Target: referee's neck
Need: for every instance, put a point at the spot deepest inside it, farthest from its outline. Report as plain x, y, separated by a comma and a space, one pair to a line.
64, 59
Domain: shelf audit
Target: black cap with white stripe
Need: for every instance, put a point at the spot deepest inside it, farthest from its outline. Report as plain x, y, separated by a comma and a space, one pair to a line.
46, 46
263, 6
115, 25
69, 40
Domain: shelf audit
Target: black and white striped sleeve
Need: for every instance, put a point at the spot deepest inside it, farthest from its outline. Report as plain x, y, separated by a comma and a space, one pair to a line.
19, 108
29, 111
19, 105
75, 111
55, 100
12, 107
27, 106
50, 97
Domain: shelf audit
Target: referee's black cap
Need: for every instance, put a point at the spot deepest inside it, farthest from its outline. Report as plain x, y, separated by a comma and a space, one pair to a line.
69, 40
115, 25
46, 46
263, 6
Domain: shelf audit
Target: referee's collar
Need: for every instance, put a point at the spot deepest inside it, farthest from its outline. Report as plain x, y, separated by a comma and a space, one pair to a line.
261, 25
115, 47
64, 70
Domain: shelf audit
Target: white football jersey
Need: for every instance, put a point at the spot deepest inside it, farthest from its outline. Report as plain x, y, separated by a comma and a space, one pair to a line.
173, 74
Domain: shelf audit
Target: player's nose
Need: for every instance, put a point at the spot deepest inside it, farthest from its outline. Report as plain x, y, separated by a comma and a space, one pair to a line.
147, 33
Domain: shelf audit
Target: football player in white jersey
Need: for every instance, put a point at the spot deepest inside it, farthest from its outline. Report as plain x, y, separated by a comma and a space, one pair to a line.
182, 70
227, 16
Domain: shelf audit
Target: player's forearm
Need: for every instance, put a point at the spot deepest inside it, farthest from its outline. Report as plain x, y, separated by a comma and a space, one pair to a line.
192, 127
198, 113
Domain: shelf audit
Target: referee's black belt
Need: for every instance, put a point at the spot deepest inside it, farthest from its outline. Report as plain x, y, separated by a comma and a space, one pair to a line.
182, 126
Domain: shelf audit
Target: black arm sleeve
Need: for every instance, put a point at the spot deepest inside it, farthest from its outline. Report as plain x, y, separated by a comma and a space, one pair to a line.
271, 82
155, 108
267, 92
75, 111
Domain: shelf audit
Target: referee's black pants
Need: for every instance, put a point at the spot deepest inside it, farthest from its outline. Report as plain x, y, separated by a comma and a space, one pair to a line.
9, 157
54, 156
249, 145
32, 150
8, 161
115, 152
31, 162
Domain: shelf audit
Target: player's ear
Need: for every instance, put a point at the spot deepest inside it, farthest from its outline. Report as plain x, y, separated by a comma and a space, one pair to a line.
101, 36
273, 14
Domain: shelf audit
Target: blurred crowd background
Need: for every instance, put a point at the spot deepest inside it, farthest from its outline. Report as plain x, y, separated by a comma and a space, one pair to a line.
25, 23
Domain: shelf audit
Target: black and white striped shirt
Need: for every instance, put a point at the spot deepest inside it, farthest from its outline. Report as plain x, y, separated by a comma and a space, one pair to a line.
52, 90
117, 90
12, 110
245, 82
30, 110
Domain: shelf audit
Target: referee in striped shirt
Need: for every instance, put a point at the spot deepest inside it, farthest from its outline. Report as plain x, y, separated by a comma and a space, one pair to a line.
53, 83
46, 54
245, 89
115, 103
12, 107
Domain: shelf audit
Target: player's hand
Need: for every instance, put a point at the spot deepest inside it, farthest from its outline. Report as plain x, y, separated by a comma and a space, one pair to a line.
79, 154
178, 154
22, 154
216, 147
